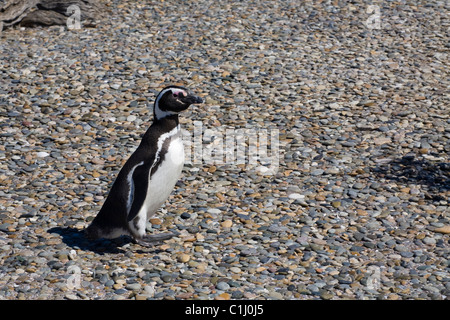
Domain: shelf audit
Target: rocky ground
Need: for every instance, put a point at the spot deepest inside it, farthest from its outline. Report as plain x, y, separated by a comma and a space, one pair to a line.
358, 207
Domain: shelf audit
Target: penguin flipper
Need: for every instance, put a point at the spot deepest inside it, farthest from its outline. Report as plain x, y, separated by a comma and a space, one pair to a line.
139, 190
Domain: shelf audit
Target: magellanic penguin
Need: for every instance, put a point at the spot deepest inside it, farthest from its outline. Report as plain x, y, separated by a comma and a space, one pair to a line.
149, 175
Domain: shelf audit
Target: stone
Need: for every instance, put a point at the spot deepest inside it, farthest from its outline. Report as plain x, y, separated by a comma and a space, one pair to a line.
275, 295
184, 258
227, 223
336, 204
222, 286
133, 286
49, 12
296, 196
444, 229
223, 296
42, 154
131, 118
317, 172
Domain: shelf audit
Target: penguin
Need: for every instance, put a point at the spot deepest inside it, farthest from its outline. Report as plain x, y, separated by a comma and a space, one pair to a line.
149, 175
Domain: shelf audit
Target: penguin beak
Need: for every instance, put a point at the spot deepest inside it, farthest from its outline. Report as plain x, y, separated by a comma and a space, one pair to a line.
191, 99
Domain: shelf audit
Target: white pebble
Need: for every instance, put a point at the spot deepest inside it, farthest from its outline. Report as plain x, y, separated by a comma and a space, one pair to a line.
131, 118
214, 211
296, 196
42, 154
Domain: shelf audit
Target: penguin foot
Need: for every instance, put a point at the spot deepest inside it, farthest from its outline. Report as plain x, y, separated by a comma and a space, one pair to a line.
154, 239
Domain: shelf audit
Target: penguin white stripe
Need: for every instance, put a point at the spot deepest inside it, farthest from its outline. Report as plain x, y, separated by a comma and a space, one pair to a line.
131, 186
161, 141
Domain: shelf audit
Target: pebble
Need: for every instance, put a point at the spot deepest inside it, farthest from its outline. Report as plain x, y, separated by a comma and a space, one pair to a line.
185, 215
42, 154
223, 296
275, 295
317, 172
356, 208
184, 258
296, 196
227, 223
133, 286
235, 270
443, 229
223, 286
131, 118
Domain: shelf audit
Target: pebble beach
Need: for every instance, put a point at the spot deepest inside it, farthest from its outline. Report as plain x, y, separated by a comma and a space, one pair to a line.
353, 97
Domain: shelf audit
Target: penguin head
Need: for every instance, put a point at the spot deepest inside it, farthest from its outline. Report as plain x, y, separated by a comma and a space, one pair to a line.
172, 100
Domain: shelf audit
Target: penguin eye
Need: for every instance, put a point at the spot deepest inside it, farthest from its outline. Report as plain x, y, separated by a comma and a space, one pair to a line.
175, 95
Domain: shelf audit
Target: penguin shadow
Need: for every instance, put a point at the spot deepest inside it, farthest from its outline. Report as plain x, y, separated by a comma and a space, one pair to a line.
434, 176
76, 239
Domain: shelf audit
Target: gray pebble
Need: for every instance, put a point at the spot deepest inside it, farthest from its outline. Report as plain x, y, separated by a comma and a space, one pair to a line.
222, 286
317, 172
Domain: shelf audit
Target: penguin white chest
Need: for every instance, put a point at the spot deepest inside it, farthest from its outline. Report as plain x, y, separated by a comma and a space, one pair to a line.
163, 180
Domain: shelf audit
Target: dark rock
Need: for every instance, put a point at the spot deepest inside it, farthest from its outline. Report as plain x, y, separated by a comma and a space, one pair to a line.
30, 13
